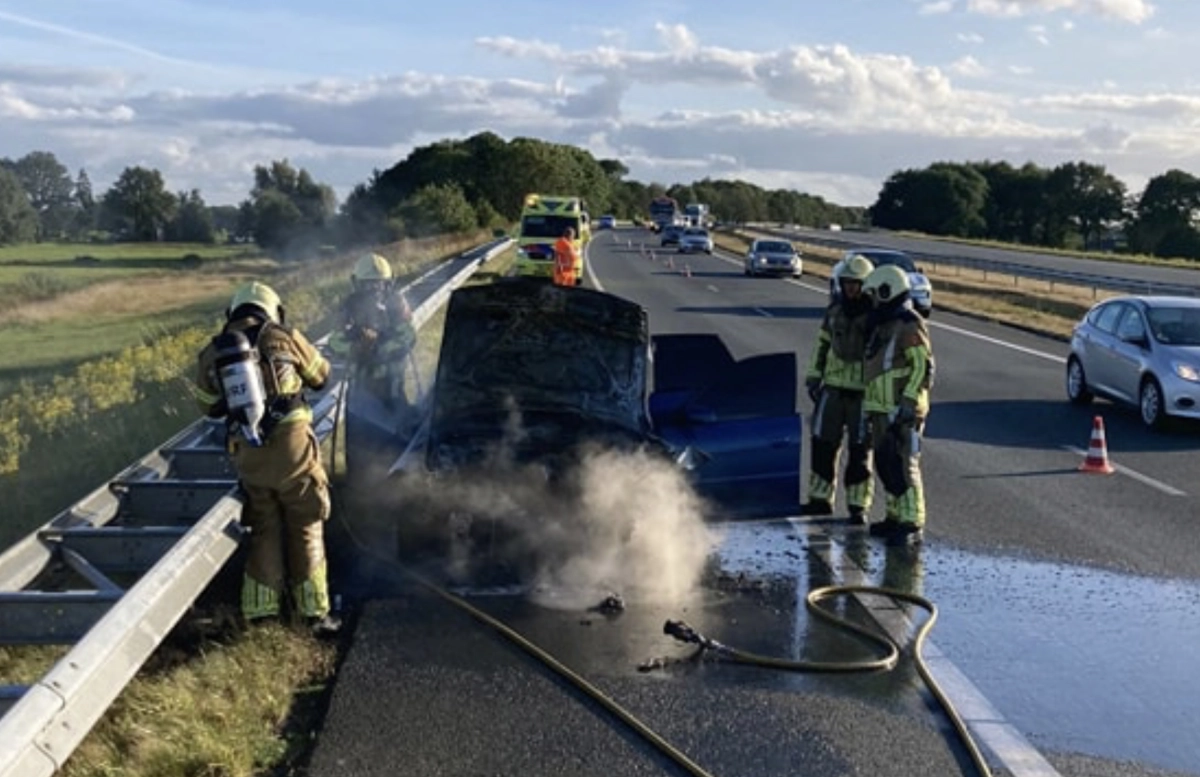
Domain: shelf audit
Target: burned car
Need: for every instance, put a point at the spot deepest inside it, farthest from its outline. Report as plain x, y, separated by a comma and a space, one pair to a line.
534, 377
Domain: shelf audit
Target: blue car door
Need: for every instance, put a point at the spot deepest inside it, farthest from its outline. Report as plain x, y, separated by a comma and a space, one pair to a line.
738, 420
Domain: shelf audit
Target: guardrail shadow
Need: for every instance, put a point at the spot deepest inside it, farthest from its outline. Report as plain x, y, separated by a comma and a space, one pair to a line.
1039, 424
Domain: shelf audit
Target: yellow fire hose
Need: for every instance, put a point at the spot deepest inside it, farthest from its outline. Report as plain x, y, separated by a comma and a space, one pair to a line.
681, 631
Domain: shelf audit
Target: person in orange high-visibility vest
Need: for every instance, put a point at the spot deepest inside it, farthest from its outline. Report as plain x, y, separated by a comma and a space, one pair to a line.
565, 258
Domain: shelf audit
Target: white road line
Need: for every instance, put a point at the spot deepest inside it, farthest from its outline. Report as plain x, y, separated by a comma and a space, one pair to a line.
713, 289
1132, 473
1004, 742
762, 312
997, 341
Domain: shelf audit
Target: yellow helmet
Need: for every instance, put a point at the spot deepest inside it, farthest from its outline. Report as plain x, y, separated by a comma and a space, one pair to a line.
886, 283
259, 295
372, 267
856, 269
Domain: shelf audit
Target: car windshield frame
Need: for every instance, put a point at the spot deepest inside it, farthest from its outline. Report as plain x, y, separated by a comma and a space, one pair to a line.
881, 258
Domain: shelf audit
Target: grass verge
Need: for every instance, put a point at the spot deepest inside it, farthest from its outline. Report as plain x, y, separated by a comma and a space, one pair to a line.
221, 703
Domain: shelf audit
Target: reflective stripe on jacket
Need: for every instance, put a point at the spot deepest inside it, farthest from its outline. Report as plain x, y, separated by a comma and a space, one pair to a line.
837, 359
899, 364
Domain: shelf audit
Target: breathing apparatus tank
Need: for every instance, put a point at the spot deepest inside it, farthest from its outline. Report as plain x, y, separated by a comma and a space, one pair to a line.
241, 383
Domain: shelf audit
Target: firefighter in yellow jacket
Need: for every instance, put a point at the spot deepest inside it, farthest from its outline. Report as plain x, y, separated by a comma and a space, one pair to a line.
376, 331
898, 371
834, 381
254, 375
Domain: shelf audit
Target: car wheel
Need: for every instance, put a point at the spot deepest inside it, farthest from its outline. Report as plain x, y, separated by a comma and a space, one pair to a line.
1150, 403
1077, 390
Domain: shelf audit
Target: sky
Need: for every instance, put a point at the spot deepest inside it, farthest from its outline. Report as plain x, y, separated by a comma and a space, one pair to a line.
829, 97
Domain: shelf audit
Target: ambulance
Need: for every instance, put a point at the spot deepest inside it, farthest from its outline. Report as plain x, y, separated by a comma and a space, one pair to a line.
543, 219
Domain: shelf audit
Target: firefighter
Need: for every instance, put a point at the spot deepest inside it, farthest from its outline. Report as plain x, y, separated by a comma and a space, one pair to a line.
834, 381
565, 258
898, 371
278, 460
376, 331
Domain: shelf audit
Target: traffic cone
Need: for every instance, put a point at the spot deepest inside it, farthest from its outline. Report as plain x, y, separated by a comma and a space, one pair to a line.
1097, 455
687, 271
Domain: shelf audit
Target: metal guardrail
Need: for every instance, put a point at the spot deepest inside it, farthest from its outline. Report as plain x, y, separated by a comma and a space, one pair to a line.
170, 521
1012, 269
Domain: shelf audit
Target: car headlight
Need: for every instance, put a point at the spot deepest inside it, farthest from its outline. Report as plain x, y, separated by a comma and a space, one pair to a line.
1186, 371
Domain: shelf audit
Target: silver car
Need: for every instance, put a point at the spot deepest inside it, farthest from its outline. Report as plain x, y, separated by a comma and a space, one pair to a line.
695, 239
922, 289
1139, 350
773, 257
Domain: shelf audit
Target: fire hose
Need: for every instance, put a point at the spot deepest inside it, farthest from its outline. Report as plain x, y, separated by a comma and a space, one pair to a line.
683, 632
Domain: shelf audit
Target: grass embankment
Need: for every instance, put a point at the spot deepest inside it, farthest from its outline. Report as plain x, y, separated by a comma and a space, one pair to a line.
1039, 306
231, 705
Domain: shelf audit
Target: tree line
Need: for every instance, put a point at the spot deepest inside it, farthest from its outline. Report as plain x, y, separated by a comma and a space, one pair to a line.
1072, 205
448, 186
483, 180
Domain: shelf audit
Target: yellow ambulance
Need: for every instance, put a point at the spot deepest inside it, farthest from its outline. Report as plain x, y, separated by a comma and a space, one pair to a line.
543, 219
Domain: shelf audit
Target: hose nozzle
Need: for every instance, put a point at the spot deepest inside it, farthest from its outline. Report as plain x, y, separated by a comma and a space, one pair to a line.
681, 631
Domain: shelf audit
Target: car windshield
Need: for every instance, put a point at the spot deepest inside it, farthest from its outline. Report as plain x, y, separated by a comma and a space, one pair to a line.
880, 258
1175, 325
769, 247
696, 233
547, 226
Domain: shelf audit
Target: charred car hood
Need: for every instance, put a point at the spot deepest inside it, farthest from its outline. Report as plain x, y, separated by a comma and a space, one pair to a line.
537, 366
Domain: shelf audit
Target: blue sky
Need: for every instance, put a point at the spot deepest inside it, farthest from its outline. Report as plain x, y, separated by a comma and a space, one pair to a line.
826, 96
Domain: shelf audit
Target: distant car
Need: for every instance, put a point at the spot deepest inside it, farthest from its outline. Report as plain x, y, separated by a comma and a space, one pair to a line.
922, 289
773, 257
1142, 351
606, 222
671, 234
694, 240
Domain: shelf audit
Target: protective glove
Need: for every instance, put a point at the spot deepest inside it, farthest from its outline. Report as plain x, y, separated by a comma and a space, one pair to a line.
815, 387
906, 412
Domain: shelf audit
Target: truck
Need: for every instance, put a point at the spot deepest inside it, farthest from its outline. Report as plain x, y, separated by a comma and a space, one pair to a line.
664, 211
697, 214
543, 219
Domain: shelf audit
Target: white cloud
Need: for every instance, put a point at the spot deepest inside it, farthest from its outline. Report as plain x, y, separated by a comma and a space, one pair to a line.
936, 7
1068, 25
973, 38
1134, 11
968, 67
1038, 33
826, 118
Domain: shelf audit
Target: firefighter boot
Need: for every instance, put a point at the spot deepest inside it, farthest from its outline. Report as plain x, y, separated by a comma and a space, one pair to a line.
816, 507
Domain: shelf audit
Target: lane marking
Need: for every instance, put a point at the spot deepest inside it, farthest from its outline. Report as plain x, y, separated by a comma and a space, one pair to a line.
1145, 479
762, 312
937, 324
1132, 473
1007, 745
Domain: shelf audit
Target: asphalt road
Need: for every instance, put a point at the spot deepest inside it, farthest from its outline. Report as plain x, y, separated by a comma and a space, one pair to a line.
1126, 270
1067, 601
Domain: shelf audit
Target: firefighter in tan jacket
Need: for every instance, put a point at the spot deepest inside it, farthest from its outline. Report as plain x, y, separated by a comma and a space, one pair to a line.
898, 370
254, 375
834, 381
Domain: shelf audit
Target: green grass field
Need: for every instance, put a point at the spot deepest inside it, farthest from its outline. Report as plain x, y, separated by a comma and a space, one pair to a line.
50, 253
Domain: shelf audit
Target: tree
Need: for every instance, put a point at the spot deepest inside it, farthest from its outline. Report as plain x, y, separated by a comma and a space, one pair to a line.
437, 209
1085, 196
943, 199
85, 204
138, 206
287, 208
1166, 216
18, 219
193, 222
48, 184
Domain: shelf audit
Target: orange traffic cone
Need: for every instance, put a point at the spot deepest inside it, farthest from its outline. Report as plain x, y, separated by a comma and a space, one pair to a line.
1097, 455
